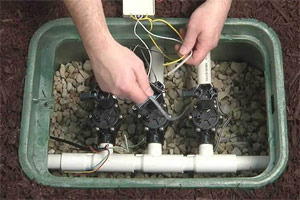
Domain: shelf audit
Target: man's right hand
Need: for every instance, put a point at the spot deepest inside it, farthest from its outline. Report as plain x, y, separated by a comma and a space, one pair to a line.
119, 71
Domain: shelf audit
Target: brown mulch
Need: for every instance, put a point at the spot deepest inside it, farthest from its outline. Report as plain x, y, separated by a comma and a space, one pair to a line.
19, 20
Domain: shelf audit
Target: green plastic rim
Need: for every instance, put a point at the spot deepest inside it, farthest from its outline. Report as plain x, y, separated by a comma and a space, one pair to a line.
250, 41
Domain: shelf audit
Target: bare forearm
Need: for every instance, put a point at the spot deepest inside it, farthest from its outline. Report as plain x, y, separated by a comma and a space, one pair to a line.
89, 19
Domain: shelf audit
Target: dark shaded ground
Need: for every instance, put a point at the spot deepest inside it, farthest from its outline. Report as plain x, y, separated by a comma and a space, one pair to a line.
18, 22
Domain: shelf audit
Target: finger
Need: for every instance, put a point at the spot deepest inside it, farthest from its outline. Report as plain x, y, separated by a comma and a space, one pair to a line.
142, 80
176, 48
182, 32
136, 94
189, 40
198, 56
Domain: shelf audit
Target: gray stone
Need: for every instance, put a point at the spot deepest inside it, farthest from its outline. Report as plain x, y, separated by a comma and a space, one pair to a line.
238, 67
69, 86
257, 115
84, 74
70, 69
79, 78
62, 71
63, 147
87, 65
176, 150
228, 146
58, 116
228, 71
51, 151
80, 113
80, 88
256, 147
169, 85
178, 106
245, 117
223, 67
172, 94
169, 133
236, 151
221, 95
237, 115
59, 87
222, 77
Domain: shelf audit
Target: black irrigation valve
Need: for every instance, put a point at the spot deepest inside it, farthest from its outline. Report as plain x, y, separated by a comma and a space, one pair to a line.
151, 117
205, 114
106, 117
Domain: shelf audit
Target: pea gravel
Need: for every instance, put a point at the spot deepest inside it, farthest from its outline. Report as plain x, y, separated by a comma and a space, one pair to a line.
240, 92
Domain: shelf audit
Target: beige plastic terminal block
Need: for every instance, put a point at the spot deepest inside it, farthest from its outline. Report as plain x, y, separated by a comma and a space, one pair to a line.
138, 7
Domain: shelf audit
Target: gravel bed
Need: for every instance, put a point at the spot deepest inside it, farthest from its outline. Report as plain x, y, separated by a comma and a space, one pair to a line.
240, 91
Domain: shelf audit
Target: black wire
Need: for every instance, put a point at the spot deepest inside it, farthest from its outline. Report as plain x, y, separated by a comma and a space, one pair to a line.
81, 147
166, 115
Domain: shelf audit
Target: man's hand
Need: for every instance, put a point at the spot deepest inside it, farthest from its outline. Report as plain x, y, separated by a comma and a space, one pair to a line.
119, 71
203, 29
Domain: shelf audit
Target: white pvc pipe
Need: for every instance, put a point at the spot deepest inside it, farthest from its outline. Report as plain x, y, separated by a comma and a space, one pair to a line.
204, 71
159, 164
154, 149
206, 149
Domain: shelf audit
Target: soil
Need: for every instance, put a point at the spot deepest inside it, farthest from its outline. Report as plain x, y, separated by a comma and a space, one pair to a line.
19, 20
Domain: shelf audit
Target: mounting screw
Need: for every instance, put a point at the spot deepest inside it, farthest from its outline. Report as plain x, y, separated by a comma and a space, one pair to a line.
139, 116
213, 129
134, 107
215, 106
161, 129
190, 117
112, 129
90, 116
221, 117
146, 128
116, 105
164, 105
198, 130
121, 117
97, 129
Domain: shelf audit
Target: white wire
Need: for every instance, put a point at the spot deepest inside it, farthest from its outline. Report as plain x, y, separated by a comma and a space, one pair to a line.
150, 55
180, 64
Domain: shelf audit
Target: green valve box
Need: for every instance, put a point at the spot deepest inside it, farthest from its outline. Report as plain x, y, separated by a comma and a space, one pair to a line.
56, 42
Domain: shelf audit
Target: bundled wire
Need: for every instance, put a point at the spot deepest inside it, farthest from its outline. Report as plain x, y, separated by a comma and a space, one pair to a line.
223, 127
98, 165
152, 35
144, 43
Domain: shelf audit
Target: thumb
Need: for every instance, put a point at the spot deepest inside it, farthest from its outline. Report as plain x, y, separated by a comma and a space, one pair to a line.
189, 41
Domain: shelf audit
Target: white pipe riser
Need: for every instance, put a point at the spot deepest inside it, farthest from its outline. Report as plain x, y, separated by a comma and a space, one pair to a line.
204, 71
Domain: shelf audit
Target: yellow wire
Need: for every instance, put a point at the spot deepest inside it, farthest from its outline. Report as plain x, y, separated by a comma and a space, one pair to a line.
169, 25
